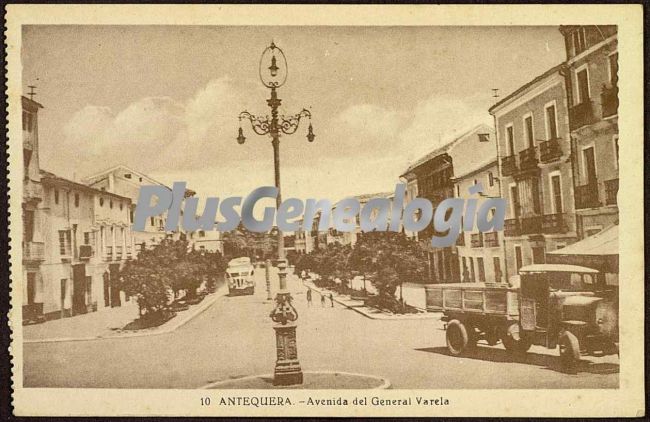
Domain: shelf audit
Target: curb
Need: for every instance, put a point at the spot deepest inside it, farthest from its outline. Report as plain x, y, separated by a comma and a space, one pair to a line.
383, 317
385, 383
199, 310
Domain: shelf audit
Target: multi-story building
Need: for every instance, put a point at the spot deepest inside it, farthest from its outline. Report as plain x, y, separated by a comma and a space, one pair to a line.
480, 255
87, 239
592, 93
124, 181
33, 245
536, 173
201, 240
432, 176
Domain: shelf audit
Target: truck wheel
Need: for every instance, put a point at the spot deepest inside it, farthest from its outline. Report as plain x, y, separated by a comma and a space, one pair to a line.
513, 341
569, 352
457, 337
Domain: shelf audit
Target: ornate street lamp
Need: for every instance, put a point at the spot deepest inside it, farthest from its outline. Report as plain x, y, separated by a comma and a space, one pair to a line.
273, 72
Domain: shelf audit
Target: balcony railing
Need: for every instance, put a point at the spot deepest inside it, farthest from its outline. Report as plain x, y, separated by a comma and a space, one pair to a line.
33, 251
85, 251
508, 165
554, 223
477, 240
609, 100
538, 224
611, 192
511, 227
528, 158
550, 150
581, 115
587, 196
109, 253
118, 253
491, 239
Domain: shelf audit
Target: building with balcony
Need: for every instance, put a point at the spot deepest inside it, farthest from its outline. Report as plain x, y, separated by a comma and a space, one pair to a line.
432, 177
33, 247
126, 182
536, 173
87, 239
592, 93
480, 255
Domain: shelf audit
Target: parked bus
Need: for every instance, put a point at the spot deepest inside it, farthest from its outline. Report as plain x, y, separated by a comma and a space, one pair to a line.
239, 276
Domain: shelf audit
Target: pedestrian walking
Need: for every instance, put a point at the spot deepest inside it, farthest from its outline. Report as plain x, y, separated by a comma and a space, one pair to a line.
332, 299
309, 297
322, 300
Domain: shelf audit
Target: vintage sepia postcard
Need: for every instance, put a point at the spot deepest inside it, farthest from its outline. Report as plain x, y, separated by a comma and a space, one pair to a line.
248, 210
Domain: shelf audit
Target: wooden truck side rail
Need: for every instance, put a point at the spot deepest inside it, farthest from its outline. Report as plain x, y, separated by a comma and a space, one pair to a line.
472, 298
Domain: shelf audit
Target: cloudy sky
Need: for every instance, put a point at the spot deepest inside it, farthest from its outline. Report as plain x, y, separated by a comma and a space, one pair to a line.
165, 100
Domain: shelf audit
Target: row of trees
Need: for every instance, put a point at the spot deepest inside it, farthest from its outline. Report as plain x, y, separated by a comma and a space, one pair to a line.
170, 266
386, 259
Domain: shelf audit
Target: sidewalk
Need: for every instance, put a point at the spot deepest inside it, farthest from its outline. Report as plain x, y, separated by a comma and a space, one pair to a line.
107, 324
372, 313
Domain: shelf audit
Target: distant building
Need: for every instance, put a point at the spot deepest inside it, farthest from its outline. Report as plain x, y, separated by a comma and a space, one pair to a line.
592, 92
124, 181
201, 240
474, 157
431, 177
537, 180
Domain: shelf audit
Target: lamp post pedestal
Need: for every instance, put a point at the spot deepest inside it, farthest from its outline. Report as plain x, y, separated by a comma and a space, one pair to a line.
287, 367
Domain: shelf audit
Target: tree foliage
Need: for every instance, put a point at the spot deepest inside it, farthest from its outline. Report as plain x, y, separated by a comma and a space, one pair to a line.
169, 266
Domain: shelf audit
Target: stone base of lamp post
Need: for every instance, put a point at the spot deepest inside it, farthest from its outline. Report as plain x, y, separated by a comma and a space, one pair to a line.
287, 367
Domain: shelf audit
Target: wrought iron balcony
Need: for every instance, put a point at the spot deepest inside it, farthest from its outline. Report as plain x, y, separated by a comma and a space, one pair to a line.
491, 239
531, 225
554, 223
550, 150
33, 251
460, 240
85, 251
581, 115
587, 196
511, 227
528, 159
611, 192
609, 100
477, 240
508, 165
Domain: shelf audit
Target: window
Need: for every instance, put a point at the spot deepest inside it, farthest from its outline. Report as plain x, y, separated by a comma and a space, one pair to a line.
472, 275
615, 142
551, 122
518, 258
201, 233
65, 240
127, 176
121, 206
613, 68
110, 204
490, 179
76, 200
583, 86
556, 192
89, 238
152, 221
56, 196
130, 216
528, 130
481, 269
510, 138
101, 202
457, 191
579, 41
497, 269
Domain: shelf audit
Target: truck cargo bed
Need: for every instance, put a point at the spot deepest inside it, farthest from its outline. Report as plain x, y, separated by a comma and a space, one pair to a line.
476, 298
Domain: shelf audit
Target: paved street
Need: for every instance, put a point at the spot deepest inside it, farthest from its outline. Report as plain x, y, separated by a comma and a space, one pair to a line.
234, 338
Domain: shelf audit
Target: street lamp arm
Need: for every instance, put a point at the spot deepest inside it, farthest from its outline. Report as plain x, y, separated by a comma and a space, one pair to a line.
260, 125
289, 125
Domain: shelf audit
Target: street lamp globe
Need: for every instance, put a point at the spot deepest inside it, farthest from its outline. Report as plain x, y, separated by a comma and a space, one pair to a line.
273, 67
241, 138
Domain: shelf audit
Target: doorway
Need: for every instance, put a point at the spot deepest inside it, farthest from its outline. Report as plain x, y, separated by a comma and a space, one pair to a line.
79, 289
